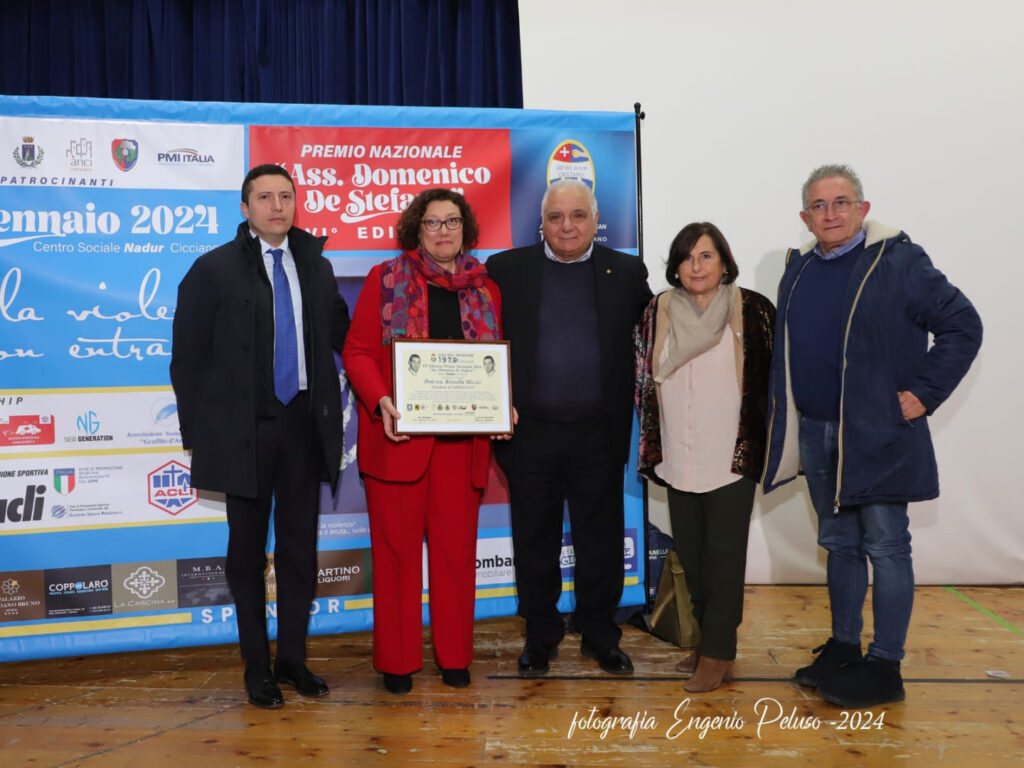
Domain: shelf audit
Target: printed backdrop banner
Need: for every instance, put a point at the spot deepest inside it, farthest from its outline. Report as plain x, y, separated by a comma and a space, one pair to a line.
104, 205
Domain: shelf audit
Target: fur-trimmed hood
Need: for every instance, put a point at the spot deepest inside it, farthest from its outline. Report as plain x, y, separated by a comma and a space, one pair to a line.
875, 232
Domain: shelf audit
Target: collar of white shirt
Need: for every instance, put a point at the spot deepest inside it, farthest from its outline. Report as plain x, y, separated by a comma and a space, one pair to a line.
551, 254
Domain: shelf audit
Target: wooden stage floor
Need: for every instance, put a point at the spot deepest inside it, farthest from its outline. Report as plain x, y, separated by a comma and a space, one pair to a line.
964, 677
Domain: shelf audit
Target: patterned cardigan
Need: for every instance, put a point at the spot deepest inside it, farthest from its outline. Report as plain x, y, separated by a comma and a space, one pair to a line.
758, 323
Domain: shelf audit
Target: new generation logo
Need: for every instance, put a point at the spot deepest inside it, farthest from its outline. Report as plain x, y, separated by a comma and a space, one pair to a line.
125, 153
27, 154
88, 423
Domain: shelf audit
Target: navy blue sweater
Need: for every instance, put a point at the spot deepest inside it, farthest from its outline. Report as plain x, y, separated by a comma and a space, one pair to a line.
569, 388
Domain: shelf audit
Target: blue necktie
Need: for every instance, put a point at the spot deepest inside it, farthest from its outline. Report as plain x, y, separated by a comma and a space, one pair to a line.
286, 355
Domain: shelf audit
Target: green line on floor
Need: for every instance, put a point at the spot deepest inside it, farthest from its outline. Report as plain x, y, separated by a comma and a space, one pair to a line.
983, 609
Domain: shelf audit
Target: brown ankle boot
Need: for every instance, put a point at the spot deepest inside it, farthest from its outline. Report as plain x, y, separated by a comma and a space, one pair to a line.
709, 675
689, 665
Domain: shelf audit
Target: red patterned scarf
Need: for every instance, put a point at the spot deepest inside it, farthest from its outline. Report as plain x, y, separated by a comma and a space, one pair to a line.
403, 282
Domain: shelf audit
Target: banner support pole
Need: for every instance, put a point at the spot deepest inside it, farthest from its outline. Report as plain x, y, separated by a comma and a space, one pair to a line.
639, 182
640, 115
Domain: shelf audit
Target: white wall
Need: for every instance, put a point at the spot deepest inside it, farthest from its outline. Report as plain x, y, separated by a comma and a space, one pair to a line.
924, 99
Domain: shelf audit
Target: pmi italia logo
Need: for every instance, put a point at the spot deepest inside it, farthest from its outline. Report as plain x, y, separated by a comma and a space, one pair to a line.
184, 156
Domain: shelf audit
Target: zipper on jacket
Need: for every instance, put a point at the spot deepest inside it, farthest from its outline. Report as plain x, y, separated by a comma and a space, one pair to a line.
842, 379
785, 367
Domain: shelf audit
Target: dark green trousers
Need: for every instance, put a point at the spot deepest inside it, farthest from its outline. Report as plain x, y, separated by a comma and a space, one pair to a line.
709, 531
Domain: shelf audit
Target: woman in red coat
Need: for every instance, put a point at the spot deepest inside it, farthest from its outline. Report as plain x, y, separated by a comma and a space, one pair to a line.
422, 485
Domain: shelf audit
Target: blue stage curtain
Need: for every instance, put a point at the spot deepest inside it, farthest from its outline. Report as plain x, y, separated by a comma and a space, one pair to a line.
398, 52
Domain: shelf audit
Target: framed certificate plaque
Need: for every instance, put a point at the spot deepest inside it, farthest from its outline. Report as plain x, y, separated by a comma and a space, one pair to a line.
452, 387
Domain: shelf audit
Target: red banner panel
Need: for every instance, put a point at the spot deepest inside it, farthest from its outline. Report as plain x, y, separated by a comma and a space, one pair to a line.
352, 184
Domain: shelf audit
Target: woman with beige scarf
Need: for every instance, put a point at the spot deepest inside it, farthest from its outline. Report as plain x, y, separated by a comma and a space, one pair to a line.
703, 354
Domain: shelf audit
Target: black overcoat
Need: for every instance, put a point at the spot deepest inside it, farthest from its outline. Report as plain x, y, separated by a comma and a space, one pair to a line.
222, 357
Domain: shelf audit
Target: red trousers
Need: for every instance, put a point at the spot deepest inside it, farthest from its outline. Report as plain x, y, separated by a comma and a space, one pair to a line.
442, 505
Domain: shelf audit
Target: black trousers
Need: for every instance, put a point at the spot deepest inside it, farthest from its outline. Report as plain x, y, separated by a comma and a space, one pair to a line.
709, 531
290, 461
547, 465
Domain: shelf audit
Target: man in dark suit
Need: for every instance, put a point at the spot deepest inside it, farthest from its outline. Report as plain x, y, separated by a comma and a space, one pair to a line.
259, 405
569, 307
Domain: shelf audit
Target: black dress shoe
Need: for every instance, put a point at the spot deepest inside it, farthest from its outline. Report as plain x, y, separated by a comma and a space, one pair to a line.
397, 683
534, 659
298, 675
261, 686
611, 660
456, 678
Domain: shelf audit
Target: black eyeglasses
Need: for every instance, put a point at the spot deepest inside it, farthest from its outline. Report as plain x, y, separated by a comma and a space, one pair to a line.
433, 225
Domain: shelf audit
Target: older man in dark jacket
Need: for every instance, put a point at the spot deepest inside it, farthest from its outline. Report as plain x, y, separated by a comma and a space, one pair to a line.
259, 404
568, 308
852, 379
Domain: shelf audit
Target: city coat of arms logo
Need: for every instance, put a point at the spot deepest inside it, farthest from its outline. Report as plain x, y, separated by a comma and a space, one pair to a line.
125, 153
28, 154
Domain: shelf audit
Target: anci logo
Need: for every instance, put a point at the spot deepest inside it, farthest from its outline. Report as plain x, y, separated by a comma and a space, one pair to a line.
125, 153
88, 423
170, 488
79, 154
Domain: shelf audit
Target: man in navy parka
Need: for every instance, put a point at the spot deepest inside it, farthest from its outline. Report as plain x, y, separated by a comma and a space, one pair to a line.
852, 382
